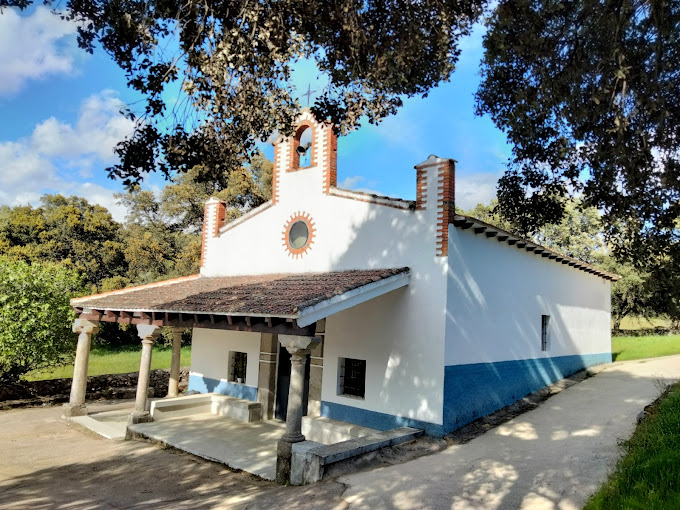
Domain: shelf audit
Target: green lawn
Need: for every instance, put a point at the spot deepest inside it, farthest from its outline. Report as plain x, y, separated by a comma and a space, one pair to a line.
115, 360
631, 347
648, 476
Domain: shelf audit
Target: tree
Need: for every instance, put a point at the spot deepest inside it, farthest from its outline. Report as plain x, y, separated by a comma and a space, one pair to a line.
589, 96
182, 202
233, 61
67, 231
35, 316
577, 235
632, 295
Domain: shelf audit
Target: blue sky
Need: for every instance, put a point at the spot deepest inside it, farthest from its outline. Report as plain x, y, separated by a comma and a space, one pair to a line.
59, 122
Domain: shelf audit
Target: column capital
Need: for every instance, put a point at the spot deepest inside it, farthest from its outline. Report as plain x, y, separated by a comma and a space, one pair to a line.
295, 344
148, 332
85, 326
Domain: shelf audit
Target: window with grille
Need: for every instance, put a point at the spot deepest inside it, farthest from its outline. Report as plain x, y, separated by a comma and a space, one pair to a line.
545, 333
352, 377
239, 362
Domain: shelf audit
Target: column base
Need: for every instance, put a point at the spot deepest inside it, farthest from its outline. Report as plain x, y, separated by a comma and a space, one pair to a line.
71, 410
140, 417
284, 456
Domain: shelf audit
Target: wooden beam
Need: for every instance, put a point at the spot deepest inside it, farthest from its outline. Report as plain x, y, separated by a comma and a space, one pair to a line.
512, 241
502, 237
491, 233
479, 230
530, 248
538, 250
521, 244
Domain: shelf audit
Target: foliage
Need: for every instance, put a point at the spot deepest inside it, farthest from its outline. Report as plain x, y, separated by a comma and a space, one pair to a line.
35, 316
588, 94
233, 62
648, 476
115, 359
578, 234
626, 348
68, 231
182, 202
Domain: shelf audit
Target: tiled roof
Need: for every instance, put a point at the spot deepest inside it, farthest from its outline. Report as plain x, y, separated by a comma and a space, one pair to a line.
491, 232
279, 295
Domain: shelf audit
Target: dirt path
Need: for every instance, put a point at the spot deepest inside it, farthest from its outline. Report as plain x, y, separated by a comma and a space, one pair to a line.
47, 463
552, 457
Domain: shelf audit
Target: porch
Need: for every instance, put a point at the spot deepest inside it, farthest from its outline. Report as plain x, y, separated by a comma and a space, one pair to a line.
286, 312
247, 446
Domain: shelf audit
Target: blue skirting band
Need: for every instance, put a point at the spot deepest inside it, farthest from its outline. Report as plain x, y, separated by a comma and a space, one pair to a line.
208, 385
475, 390
478, 389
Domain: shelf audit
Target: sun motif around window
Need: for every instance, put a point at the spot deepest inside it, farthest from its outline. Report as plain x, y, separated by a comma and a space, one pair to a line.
298, 234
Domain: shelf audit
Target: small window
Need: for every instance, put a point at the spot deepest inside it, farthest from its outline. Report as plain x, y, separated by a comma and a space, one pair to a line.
238, 364
299, 235
352, 377
545, 332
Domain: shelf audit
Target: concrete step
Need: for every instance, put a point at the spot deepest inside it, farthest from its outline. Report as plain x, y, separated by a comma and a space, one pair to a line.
327, 431
170, 408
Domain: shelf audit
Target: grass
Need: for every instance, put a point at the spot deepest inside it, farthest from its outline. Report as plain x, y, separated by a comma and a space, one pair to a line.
648, 476
114, 360
643, 323
629, 347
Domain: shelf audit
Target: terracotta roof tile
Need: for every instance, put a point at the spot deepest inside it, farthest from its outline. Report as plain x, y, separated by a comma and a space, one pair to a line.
273, 294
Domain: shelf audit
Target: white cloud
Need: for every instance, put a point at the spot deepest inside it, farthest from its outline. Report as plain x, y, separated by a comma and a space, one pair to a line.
475, 189
34, 47
59, 157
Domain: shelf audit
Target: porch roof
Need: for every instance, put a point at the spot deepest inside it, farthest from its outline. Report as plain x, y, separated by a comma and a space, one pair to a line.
283, 303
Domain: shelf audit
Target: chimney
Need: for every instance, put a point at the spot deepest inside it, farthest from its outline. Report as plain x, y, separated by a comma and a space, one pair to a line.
213, 218
436, 188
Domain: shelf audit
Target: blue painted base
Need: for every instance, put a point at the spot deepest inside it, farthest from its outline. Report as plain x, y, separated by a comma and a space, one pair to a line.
375, 420
479, 389
475, 390
208, 385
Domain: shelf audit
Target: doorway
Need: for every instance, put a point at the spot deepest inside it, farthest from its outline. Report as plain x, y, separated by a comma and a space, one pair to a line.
283, 385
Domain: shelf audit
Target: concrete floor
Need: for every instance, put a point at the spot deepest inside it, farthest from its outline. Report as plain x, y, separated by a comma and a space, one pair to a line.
250, 447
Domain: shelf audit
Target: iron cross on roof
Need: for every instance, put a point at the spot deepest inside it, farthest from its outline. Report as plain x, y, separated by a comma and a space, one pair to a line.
308, 93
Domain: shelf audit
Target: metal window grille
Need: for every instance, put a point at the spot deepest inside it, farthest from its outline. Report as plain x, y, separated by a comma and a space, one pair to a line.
545, 321
240, 362
355, 377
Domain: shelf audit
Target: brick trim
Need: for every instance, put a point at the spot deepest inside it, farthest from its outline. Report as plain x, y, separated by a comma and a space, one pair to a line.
446, 207
307, 219
294, 142
421, 188
330, 149
214, 216
275, 173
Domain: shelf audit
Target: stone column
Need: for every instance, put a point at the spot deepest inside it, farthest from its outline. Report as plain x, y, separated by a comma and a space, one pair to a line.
266, 380
76, 405
298, 347
148, 334
173, 382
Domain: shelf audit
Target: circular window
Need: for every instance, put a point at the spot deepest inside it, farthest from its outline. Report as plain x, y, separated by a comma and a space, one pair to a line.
299, 235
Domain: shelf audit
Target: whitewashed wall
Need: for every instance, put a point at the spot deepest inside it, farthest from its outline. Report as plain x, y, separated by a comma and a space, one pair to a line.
210, 353
400, 335
497, 294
